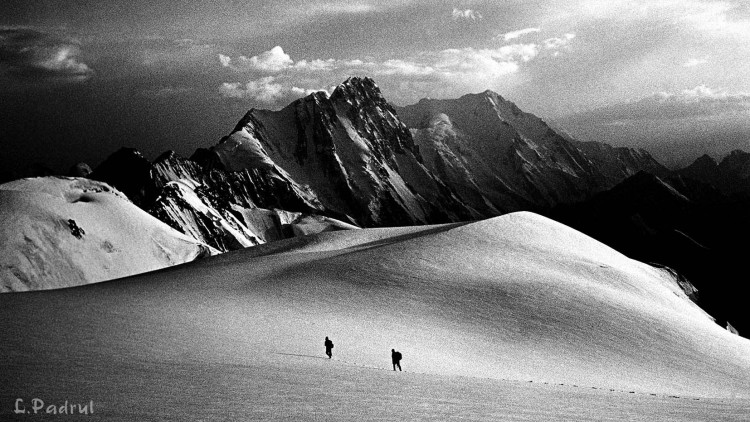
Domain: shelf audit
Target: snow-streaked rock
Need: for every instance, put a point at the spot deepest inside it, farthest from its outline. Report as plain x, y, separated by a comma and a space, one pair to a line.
499, 158
353, 153
223, 205
61, 232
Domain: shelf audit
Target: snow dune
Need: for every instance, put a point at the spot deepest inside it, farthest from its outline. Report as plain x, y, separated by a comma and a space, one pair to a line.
471, 306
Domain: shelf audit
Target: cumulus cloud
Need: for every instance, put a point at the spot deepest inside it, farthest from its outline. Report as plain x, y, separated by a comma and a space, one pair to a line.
29, 53
466, 15
275, 76
264, 90
449, 61
268, 90
517, 34
273, 60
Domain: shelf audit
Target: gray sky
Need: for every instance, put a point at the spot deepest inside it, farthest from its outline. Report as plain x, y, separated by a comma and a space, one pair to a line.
80, 78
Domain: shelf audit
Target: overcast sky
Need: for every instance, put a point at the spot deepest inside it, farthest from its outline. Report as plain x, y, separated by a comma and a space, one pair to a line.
80, 78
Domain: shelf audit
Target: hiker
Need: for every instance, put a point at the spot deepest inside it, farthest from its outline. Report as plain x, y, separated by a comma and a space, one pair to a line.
396, 359
329, 345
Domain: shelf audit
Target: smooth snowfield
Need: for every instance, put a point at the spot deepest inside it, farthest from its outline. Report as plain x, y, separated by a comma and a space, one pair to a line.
478, 310
61, 232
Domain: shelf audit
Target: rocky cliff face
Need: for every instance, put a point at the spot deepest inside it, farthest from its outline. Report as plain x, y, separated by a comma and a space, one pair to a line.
352, 151
202, 199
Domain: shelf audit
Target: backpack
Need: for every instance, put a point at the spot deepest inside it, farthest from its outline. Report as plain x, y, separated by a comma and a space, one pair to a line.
397, 356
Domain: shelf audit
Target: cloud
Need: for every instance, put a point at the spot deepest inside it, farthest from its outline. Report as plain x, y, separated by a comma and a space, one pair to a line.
694, 103
558, 42
517, 34
338, 8
264, 90
275, 77
448, 61
694, 62
718, 18
401, 67
273, 60
307, 91
267, 90
466, 15
676, 127
33, 54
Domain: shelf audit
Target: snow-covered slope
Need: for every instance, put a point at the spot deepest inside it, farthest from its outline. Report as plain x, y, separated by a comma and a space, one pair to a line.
60, 232
517, 297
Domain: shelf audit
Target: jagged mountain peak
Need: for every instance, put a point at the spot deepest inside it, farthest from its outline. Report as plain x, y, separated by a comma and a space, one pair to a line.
702, 167
363, 87
489, 94
706, 159
166, 156
351, 149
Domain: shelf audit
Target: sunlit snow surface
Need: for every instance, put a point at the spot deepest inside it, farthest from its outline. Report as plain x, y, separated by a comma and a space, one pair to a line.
60, 232
512, 318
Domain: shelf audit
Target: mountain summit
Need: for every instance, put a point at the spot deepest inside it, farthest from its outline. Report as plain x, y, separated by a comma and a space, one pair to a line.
352, 150
502, 159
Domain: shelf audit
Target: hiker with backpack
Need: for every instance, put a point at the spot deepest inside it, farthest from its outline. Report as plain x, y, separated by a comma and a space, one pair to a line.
329, 345
396, 359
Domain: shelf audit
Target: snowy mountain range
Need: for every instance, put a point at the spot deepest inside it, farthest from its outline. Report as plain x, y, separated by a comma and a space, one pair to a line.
350, 159
355, 158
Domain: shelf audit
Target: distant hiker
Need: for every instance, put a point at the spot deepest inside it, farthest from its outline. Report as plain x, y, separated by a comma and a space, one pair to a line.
329, 345
396, 359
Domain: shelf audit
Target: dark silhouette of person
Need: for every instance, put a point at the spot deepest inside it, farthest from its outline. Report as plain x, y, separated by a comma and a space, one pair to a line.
329, 345
396, 359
